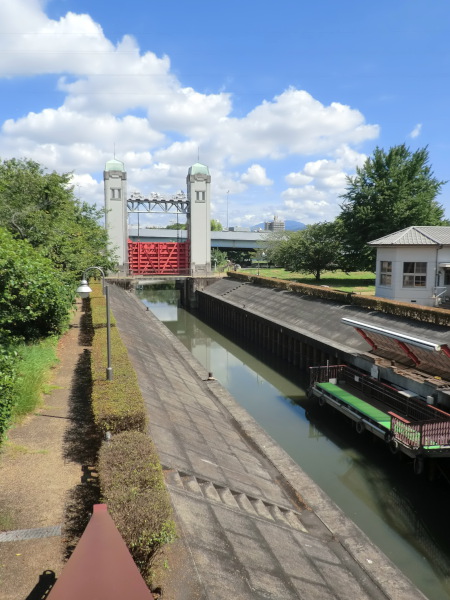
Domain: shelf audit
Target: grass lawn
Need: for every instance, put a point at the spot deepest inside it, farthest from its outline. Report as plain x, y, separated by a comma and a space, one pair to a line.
360, 282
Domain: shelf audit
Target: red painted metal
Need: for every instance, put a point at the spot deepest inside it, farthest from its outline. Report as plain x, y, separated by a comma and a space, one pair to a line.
366, 337
408, 352
446, 350
101, 567
158, 258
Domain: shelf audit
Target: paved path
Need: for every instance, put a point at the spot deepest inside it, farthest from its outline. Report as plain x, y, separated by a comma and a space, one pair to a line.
40, 465
252, 524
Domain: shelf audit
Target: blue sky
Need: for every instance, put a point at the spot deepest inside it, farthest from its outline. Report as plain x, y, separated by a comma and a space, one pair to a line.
281, 99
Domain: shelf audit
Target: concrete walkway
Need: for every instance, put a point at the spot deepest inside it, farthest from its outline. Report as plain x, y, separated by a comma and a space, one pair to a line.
251, 523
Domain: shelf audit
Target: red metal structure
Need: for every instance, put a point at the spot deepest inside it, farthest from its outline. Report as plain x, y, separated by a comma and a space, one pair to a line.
158, 258
101, 567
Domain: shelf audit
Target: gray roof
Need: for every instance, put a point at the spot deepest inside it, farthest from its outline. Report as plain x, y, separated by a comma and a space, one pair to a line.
428, 235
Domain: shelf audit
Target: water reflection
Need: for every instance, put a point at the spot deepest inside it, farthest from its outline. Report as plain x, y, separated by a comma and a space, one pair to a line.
405, 515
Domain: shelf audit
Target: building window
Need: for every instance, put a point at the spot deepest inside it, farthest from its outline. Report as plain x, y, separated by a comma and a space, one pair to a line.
385, 272
199, 196
414, 274
116, 193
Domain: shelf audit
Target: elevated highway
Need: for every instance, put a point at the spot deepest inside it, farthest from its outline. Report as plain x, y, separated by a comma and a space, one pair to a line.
222, 240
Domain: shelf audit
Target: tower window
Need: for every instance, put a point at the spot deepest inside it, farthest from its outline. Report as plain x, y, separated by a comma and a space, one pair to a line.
116, 193
200, 196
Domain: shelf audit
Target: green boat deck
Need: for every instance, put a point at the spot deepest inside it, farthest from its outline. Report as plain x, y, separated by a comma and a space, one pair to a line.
369, 411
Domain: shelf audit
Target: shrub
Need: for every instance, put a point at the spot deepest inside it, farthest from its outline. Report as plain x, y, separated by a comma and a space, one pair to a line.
117, 405
34, 299
132, 485
8, 374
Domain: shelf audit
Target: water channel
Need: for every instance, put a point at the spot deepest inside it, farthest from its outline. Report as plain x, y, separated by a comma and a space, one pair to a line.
405, 515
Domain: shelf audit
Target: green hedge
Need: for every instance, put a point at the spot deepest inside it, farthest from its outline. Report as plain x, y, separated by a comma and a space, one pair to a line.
117, 405
8, 376
132, 485
409, 310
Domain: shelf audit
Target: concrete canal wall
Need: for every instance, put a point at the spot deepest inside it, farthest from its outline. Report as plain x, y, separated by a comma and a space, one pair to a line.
307, 331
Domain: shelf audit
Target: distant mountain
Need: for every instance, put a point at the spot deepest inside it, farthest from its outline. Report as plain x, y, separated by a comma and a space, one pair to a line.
288, 225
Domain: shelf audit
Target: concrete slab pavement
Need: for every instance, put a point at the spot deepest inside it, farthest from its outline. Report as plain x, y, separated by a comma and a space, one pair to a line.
252, 524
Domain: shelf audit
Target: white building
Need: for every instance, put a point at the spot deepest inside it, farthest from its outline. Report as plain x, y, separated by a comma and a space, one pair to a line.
413, 265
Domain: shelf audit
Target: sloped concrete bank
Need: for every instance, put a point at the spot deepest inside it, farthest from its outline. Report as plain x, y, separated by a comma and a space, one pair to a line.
306, 331
253, 523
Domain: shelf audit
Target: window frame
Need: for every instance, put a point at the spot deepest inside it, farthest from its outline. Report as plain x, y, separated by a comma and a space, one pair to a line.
414, 273
385, 276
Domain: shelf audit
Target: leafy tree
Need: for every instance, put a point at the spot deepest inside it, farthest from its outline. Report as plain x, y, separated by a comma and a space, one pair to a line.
218, 258
216, 225
177, 226
240, 257
40, 207
391, 191
34, 298
312, 250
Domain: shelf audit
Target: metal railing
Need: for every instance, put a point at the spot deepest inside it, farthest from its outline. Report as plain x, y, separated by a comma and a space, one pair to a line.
409, 408
420, 435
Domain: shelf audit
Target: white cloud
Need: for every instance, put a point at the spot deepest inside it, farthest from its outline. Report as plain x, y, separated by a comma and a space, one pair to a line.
416, 131
319, 185
116, 96
256, 175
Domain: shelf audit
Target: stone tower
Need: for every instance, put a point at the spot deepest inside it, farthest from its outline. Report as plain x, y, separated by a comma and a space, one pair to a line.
115, 186
199, 225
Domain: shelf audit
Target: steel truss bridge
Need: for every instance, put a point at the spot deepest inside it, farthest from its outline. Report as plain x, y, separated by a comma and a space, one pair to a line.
178, 203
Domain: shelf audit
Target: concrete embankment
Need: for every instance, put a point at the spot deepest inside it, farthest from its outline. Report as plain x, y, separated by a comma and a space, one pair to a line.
306, 331
252, 524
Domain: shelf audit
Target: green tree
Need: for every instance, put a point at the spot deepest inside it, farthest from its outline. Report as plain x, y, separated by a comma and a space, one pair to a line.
216, 225
218, 258
312, 250
34, 297
40, 207
391, 191
177, 226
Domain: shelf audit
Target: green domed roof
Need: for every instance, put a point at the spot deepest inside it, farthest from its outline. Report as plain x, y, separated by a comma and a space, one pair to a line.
114, 165
198, 168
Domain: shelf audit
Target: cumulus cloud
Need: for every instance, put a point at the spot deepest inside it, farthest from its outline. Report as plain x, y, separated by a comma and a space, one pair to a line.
256, 175
319, 185
416, 131
117, 96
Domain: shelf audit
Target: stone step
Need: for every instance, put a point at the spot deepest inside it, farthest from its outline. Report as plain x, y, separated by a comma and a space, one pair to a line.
234, 499
277, 514
294, 521
245, 504
227, 497
173, 478
210, 492
191, 484
262, 510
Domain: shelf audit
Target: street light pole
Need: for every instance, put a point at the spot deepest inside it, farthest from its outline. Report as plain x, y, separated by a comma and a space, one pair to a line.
83, 290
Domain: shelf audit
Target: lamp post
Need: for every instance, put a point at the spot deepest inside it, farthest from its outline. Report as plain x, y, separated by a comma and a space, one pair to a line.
83, 290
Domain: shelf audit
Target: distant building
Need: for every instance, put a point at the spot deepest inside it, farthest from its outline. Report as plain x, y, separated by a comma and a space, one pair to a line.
275, 225
239, 229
